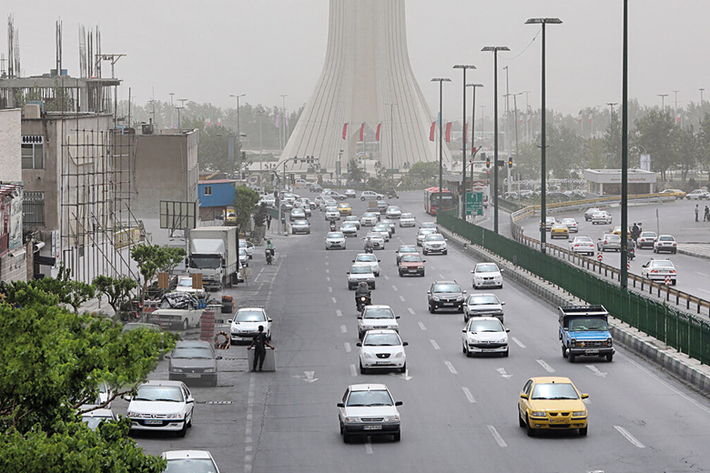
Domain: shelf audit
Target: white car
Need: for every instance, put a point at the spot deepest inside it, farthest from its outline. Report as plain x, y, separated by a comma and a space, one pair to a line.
296, 214
646, 239
370, 259
367, 410
571, 223
332, 213
371, 195
665, 243
591, 211
382, 229
659, 269
376, 239
243, 257
162, 406
382, 350
349, 229
483, 305
422, 234
429, 225
335, 240
487, 275
93, 418
485, 335
248, 246
246, 322
180, 461
407, 220
350, 193
184, 284
369, 219
376, 317
698, 194
360, 272
393, 212
601, 217
582, 244
549, 222
434, 243
353, 219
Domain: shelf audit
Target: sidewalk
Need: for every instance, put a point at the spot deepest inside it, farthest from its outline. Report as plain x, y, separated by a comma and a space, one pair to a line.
699, 250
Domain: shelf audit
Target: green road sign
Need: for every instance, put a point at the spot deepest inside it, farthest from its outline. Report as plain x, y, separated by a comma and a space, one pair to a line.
474, 203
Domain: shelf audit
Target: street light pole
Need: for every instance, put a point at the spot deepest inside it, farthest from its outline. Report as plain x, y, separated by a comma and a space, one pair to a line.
624, 276
701, 95
663, 101
494, 50
391, 141
239, 134
543, 144
473, 129
441, 143
282, 123
463, 67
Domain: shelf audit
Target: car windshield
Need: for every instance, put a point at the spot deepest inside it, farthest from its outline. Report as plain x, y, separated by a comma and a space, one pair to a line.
428, 225
446, 288
351, 218
648, 235
361, 269
369, 398
435, 237
366, 258
569, 221
191, 465
159, 393
478, 326
407, 249
583, 239
486, 268
411, 259
381, 340
249, 316
407, 216
426, 231
394, 209
486, 299
586, 323
301, 222
378, 313
662, 264
349, 225
374, 236
205, 262
93, 421
335, 234
185, 282
370, 215
612, 237
242, 252
192, 352
666, 238
554, 391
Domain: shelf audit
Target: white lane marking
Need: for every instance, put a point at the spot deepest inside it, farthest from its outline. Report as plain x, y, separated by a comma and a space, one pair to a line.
353, 370
469, 396
451, 367
499, 440
401, 298
434, 344
347, 346
441, 276
547, 367
327, 263
518, 342
503, 373
368, 447
394, 288
330, 289
421, 325
596, 371
327, 278
343, 329
674, 390
339, 313
335, 301
387, 277
696, 272
327, 270
704, 290
411, 311
634, 441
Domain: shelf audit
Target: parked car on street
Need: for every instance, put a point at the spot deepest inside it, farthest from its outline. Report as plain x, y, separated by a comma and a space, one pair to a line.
193, 360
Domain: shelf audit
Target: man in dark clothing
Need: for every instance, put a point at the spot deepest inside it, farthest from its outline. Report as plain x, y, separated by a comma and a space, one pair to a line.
268, 221
260, 343
706, 216
635, 232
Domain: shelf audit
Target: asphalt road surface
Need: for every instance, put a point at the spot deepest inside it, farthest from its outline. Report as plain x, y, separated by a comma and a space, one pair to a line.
459, 413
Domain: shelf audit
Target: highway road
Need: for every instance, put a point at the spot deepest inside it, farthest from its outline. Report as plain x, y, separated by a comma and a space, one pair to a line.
459, 413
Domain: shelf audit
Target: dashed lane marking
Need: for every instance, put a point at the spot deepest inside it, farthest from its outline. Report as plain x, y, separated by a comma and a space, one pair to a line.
499, 440
625, 433
343, 329
468, 395
451, 367
434, 344
335, 301
401, 298
518, 342
339, 313
347, 346
411, 311
421, 325
547, 367
353, 370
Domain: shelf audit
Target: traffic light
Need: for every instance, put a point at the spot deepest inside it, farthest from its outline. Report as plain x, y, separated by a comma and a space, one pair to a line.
510, 161
488, 162
244, 155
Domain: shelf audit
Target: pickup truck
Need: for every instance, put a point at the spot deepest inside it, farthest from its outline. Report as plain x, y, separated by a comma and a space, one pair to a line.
584, 331
178, 309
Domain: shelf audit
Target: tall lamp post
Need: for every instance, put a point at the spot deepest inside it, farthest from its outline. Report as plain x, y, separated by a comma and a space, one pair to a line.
441, 81
473, 129
543, 140
624, 274
391, 105
239, 135
663, 100
494, 50
463, 67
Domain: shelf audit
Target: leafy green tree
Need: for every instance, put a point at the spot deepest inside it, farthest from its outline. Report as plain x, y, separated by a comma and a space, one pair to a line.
260, 215
245, 201
656, 132
59, 290
355, 172
612, 142
116, 290
704, 141
154, 258
424, 170
688, 150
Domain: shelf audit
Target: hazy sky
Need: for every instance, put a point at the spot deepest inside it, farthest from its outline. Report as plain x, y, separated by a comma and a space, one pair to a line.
206, 50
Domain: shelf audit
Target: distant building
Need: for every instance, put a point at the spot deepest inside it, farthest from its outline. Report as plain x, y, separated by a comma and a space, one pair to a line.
608, 181
215, 196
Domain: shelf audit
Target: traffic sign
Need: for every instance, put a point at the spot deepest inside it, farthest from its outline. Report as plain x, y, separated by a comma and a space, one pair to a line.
628, 265
600, 256
474, 203
668, 280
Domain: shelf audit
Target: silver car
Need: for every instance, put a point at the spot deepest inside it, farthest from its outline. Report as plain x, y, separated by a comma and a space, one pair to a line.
335, 240
301, 226
370, 259
609, 242
349, 229
376, 239
369, 219
422, 234
376, 317
407, 220
483, 305
361, 272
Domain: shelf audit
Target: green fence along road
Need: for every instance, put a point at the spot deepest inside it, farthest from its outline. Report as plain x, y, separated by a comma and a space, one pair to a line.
684, 332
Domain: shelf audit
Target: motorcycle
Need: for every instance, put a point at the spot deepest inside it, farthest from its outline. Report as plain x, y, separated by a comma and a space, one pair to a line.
369, 247
332, 226
631, 253
361, 301
269, 255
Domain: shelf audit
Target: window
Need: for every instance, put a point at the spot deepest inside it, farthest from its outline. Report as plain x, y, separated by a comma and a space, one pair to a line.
33, 209
208, 190
33, 152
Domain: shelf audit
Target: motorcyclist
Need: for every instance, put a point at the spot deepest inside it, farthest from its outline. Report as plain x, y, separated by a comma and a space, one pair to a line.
369, 247
332, 226
362, 290
270, 247
631, 248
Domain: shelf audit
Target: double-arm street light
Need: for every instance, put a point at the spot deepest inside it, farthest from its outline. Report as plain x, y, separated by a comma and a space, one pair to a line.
441, 81
473, 130
239, 136
494, 50
463, 67
543, 143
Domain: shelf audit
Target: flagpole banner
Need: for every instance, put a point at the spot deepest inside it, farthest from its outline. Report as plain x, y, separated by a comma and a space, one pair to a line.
362, 132
448, 132
345, 131
377, 136
432, 131
465, 133
278, 120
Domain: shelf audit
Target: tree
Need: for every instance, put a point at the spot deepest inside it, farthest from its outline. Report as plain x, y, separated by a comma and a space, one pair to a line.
612, 142
154, 258
656, 133
424, 170
565, 151
245, 201
116, 290
355, 173
59, 290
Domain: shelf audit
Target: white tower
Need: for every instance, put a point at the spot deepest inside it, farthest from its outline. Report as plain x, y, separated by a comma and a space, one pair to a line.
367, 78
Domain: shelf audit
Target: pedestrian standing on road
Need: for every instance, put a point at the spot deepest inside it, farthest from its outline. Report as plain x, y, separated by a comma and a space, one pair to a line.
268, 221
635, 232
697, 211
706, 217
259, 343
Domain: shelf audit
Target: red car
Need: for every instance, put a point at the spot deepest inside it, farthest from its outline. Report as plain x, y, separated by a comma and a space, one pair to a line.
411, 264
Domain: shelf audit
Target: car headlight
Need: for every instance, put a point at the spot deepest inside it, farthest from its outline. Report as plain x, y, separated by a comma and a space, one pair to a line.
352, 420
175, 415
537, 414
579, 413
573, 342
399, 354
459, 298
435, 298
368, 355
502, 340
608, 342
177, 370
391, 419
210, 370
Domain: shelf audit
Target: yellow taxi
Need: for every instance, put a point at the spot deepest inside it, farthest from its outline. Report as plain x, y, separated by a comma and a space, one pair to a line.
677, 193
552, 403
345, 209
559, 230
617, 231
230, 216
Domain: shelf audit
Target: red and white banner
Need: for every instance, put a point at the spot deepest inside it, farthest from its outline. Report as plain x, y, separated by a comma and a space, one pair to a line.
362, 132
345, 131
379, 127
448, 132
432, 131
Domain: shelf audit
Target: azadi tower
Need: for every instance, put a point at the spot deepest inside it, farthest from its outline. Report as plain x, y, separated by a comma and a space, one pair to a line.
367, 79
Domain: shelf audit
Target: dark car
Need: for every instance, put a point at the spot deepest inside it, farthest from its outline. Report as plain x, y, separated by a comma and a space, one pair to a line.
445, 295
193, 360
